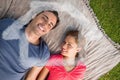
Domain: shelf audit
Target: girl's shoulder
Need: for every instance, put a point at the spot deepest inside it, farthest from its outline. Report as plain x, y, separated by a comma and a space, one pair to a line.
81, 65
54, 60
56, 56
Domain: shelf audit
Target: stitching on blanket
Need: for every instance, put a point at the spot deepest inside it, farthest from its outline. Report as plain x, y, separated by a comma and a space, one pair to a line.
86, 2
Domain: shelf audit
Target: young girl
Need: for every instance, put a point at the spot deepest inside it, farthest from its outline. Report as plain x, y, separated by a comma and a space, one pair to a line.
67, 64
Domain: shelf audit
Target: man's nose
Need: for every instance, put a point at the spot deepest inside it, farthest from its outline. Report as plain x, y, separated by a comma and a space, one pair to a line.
45, 24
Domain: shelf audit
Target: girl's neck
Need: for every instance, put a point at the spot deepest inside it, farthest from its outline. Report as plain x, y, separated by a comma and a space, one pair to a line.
69, 61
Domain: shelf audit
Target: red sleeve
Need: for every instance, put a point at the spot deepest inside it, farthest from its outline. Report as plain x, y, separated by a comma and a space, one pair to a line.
51, 62
82, 70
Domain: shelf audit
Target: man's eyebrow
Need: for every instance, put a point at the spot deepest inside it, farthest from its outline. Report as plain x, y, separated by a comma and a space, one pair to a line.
48, 18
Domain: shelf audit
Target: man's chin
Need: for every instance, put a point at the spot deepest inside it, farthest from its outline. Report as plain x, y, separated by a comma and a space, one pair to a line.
38, 34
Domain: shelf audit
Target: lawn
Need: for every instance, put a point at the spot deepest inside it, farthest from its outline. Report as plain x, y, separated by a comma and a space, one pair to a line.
108, 14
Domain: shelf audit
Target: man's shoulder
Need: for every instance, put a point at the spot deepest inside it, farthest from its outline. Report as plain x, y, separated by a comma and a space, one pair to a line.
4, 23
43, 43
6, 20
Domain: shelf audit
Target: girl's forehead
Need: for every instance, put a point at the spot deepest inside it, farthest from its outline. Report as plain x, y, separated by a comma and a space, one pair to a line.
70, 39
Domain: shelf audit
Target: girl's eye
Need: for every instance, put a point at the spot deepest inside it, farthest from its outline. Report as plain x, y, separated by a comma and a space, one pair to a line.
69, 45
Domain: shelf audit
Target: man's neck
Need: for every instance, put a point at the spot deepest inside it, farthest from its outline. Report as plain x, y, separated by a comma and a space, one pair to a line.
31, 37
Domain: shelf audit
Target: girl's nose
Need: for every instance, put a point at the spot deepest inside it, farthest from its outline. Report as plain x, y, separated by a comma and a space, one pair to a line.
64, 46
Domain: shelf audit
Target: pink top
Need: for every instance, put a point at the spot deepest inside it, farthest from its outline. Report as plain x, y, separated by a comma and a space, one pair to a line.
58, 72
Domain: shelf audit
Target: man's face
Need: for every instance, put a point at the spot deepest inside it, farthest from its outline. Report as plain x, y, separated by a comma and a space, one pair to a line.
43, 23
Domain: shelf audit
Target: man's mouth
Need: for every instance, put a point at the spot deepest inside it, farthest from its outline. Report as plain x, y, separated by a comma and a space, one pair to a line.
41, 27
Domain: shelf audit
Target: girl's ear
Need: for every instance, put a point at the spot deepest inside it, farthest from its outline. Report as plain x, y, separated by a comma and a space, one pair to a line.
79, 49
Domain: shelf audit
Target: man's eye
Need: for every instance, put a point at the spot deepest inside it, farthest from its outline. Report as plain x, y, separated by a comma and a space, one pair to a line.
44, 18
50, 26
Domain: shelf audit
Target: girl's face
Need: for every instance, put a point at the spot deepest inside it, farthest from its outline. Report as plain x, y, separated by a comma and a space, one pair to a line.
69, 47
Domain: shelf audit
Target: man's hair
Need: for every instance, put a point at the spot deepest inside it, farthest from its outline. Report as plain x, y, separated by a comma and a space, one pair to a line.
55, 13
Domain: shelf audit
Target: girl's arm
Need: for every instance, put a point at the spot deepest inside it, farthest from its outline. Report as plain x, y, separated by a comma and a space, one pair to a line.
33, 73
43, 74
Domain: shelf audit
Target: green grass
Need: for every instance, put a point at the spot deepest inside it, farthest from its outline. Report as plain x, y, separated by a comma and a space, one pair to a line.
108, 13
114, 74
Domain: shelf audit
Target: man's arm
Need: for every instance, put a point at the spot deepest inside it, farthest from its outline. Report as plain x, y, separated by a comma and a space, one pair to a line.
33, 73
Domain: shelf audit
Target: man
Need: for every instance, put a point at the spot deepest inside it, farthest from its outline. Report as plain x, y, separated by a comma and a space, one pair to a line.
17, 56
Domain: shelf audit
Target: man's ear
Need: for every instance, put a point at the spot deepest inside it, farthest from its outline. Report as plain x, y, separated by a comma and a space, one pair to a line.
79, 49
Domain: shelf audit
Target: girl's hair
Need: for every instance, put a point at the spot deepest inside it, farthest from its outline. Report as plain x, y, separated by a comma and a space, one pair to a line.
80, 40
73, 33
